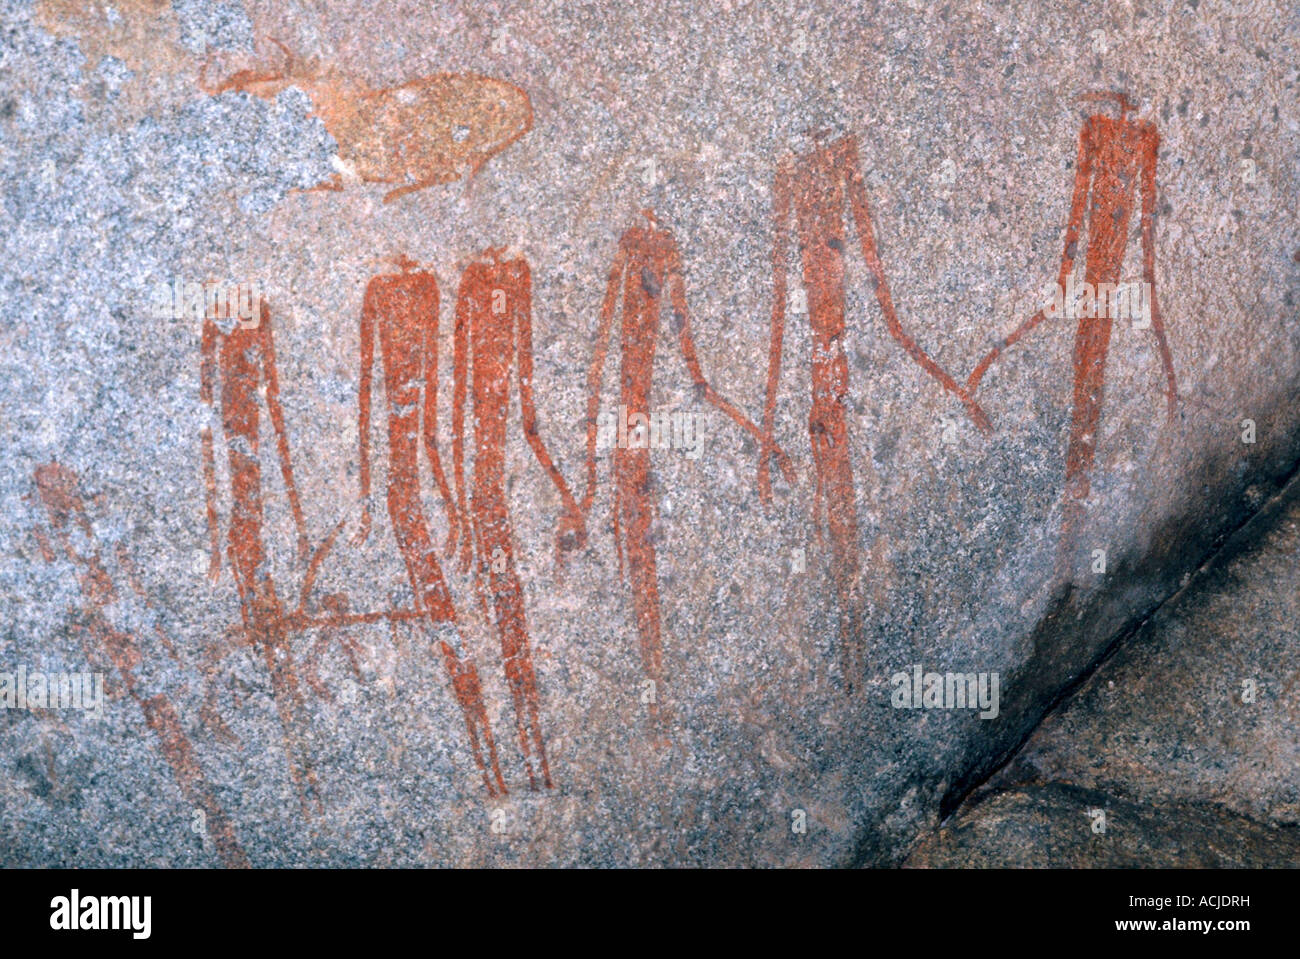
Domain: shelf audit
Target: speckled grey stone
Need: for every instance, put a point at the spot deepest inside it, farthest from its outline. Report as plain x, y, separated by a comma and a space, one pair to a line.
117, 171
1192, 728
1052, 827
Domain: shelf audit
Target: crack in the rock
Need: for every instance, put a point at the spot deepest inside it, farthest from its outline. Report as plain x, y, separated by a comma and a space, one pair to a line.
1235, 542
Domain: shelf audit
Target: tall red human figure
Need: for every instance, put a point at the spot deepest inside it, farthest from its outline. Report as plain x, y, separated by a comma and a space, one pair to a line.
493, 337
811, 190
401, 310
238, 363
1116, 158
648, 265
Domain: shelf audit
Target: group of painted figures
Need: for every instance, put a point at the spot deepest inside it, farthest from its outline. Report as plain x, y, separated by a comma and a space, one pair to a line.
493, 353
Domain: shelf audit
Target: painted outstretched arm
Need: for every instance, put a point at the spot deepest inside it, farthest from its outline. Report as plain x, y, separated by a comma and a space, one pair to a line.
781, 218
596, 371
1150, 151
363, 413
857, 191
277, 423
207, 382
572, 531
682, 322
429, 346
1082, 182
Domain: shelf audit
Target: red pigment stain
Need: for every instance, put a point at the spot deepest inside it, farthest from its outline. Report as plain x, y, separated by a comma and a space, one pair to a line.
494, 335
57, 486
401, 309
811, 190
1116, 158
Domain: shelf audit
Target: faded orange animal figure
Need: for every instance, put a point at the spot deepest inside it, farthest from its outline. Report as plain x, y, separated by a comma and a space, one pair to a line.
816, 185
236, 364
402, 310
429, 130
493, 332
1117, 157
57, 487
648, 263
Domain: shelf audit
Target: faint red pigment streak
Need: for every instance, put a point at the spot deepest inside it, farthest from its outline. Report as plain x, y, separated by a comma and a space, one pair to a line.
129, 568
493, 331
336, 615
336, 610
240, 362
648, 263
57, 486
815, 186
429, 130
1117, 156
402, 310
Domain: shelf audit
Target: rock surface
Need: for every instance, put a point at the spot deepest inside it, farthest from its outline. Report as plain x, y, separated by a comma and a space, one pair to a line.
151, 142
1051, 826
1187, 739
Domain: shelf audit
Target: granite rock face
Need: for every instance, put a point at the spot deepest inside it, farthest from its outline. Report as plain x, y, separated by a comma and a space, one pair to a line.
1184, 741
714, 679
1052, 826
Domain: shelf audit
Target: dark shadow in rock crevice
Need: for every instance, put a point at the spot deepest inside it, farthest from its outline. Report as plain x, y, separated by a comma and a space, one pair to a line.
1219, 521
